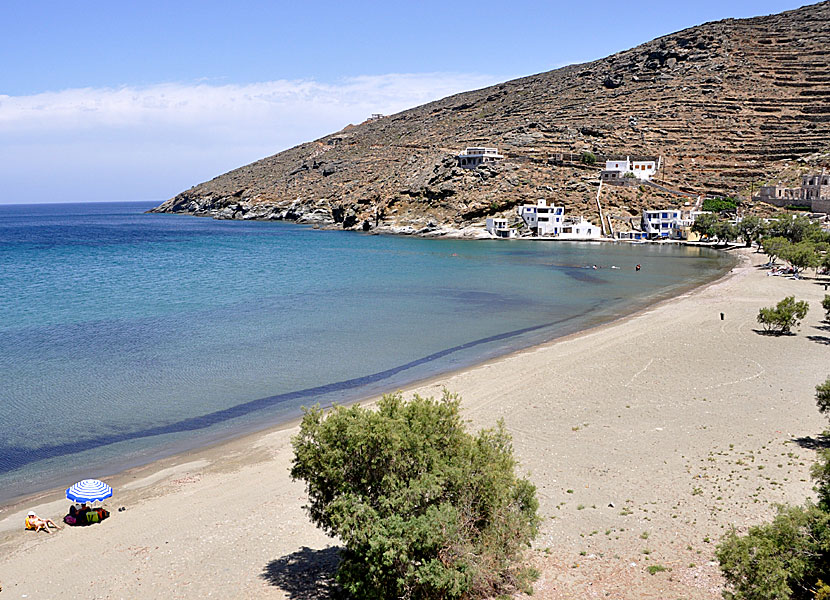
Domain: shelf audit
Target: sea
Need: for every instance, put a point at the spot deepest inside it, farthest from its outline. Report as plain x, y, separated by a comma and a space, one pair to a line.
126, 337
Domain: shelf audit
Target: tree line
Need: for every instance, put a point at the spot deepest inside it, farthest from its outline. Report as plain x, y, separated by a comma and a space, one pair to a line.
797, 240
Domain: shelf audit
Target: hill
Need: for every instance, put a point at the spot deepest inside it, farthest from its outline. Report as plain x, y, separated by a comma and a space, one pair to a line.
728, 105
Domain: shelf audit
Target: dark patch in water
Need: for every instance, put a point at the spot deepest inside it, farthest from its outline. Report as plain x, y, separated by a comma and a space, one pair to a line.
584, 275
14, 457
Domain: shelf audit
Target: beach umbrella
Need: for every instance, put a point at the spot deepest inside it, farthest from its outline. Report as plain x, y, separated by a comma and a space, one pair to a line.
88, 490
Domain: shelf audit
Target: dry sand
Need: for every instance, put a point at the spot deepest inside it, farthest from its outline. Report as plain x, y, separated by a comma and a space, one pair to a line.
646, 438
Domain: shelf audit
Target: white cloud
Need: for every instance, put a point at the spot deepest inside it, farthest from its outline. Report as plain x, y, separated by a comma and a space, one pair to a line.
151, 142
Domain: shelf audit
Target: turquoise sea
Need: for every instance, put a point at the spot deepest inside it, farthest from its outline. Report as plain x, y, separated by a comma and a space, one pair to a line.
125, 337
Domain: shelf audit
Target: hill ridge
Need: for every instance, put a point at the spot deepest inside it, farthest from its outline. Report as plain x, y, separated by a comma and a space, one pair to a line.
729, 104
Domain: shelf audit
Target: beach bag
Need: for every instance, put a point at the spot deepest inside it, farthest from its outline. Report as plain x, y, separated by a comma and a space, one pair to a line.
93, 517
69, 520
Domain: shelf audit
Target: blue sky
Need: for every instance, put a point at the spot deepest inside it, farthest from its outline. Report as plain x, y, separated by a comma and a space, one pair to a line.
137, 101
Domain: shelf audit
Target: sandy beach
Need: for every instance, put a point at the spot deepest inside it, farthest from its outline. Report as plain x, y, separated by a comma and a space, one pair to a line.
646, 438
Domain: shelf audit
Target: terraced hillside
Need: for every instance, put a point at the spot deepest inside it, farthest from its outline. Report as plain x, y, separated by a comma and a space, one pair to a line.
727, 104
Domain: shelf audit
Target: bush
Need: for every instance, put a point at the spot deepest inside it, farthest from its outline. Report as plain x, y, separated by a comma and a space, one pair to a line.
588, 158
717, 205
783, 560
790, 557
424, 509
784, 316
823, 397
800, 255
825, 304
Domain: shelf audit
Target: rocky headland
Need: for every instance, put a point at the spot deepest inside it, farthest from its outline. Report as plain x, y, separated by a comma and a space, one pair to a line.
729, 105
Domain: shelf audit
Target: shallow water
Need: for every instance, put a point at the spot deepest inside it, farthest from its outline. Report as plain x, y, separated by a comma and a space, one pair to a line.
125, 337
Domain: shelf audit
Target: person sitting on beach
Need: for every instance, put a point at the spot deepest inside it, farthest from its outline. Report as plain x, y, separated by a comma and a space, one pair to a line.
35, 522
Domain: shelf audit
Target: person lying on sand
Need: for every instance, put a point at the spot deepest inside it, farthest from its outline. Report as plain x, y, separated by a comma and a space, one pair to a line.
35, 522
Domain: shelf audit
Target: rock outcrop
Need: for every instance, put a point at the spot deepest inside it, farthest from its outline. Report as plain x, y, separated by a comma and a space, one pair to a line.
727, 104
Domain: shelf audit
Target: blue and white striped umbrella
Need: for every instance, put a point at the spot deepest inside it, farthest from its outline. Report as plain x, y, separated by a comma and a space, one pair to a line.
88, 490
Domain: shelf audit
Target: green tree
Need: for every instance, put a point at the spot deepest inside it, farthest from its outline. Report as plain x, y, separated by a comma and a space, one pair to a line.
788, 559
725, 231
588, 158
825, 304
719, 204
782, 560
706, 224
795, 229
823, 397
425, 510
750, 229
773, 246
784, 316
800, 256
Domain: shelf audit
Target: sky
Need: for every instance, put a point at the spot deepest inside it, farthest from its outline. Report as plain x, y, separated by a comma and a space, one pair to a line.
125, 101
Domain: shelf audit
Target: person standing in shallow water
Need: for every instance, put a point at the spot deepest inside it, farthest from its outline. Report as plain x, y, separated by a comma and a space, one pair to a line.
637, 268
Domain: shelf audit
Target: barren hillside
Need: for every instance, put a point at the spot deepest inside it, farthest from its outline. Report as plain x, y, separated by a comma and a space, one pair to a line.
728, 105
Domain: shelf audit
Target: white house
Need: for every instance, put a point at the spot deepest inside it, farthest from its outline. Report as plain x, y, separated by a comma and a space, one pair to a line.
641, 169
661, 223
543, 218
668, 223
473, 157
579, 229
499, 227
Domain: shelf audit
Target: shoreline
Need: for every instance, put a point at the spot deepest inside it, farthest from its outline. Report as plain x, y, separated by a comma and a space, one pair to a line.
15, 503
646, 438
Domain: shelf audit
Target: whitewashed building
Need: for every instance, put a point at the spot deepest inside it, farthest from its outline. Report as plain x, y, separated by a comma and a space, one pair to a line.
473, 157
669, 223
661, 223
543, 218
639, 169
579, 229
499, 227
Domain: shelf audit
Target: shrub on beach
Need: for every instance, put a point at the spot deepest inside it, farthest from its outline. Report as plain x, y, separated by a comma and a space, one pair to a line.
425, 509
823, 397
783, 316
788, 559
825, 304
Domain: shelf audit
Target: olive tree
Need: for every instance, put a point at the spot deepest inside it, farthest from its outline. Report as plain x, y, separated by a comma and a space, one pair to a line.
783, 316
750, 228
425, 509
800, 256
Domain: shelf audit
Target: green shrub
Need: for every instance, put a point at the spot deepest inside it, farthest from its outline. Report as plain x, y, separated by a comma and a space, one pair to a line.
788, 559
823, 397
782, 560
825, 304
588, 158
784, 316
800, 255
424, 509
717, 205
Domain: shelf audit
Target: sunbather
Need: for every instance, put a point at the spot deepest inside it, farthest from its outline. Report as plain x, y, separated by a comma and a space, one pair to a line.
37, 523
